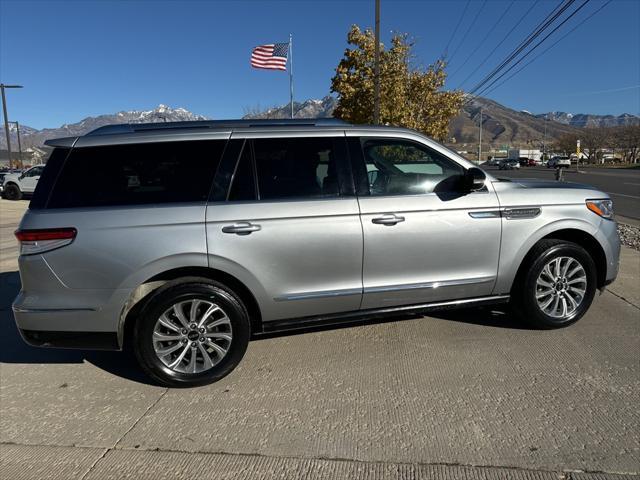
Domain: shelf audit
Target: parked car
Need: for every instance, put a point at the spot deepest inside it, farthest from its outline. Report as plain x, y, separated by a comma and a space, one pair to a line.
533, 163
237, 229
16, 185
559, 162
509, 165
524, 161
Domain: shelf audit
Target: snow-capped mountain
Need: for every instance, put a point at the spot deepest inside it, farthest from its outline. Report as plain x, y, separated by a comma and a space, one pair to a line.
161, 113
589, 120
314, 108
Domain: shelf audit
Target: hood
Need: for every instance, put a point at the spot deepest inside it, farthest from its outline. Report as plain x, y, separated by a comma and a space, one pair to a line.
537, 183
11, 176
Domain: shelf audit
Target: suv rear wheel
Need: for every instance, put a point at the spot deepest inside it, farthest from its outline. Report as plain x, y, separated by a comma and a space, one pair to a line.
191, 332
557, 285
12, 192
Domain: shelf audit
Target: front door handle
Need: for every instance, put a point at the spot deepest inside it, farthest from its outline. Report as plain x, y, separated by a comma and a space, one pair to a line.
241, 228
388, 219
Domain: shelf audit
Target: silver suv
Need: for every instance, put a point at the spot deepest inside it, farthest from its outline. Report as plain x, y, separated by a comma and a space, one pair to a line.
185, 240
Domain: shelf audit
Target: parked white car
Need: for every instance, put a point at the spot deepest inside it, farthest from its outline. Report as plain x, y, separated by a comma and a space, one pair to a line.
559, 162
17, 184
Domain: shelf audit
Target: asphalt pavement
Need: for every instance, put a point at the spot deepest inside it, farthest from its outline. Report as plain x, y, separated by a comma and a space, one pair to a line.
622, 184
469, 394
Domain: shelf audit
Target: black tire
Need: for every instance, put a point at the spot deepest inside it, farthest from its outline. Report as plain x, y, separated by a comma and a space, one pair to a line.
12, 192
184, 290
523, 294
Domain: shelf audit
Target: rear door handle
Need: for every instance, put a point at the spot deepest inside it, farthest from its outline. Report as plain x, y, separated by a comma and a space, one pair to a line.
241, 228
388, 219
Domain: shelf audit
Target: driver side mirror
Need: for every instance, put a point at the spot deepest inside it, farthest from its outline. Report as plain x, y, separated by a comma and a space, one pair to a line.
473, 179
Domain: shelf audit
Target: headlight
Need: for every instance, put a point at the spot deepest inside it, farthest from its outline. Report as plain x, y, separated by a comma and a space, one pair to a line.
604, 207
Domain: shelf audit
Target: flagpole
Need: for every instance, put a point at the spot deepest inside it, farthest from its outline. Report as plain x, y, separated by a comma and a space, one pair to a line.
291, 72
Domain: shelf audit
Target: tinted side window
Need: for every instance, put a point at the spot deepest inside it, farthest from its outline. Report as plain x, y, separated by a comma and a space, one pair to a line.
401, 167
136, 174
296, 167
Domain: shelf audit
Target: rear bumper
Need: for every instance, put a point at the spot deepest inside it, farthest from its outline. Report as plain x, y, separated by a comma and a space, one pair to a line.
82, 340
64, 318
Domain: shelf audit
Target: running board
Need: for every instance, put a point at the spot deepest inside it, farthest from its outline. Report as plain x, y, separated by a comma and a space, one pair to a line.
302, 323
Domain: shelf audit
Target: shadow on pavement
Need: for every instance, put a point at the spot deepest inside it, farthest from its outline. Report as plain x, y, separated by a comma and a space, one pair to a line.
14, 350
123, 364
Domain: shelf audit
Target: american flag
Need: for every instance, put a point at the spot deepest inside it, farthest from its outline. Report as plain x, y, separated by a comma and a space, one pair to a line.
272, 56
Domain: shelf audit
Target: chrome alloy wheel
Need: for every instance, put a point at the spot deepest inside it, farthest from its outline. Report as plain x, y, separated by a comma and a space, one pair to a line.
561, 287
192, 336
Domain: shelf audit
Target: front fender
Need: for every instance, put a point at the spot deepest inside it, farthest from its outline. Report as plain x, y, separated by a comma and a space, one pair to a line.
520, 235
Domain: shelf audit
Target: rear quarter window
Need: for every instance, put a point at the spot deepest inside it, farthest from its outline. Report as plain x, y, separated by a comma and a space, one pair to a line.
48, 178
137, 174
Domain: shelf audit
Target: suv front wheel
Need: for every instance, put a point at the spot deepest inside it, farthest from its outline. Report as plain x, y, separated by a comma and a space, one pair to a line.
557, 285
12, 192
191, 332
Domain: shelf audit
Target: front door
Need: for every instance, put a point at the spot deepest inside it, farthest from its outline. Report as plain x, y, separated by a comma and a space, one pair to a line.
289, 228
30, 179
424, 239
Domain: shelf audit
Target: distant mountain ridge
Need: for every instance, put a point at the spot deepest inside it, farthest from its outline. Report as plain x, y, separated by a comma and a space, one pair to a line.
162, 113
589, 120
501, 125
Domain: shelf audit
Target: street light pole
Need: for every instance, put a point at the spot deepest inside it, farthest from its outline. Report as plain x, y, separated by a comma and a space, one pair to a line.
376, 69
6, 118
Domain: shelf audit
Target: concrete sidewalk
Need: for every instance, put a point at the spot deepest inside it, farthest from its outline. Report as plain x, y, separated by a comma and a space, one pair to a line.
467, 394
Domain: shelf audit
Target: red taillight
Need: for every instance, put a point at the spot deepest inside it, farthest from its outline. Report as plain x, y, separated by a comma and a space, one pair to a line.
47, 234
44, 240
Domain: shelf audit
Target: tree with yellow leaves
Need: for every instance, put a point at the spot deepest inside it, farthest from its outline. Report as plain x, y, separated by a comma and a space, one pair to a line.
409, 97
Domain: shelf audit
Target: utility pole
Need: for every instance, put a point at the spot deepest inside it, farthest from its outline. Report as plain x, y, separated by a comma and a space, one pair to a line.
544, 138
480, 139
19, 144
376, 70
6, 118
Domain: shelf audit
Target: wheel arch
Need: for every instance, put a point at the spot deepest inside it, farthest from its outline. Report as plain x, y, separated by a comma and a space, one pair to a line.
141, 294
579, 237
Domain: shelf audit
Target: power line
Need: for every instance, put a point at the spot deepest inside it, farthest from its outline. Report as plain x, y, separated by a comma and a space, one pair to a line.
555, 13
464, 37
499, 44
553, 45
485, 38
455, 30
535, 46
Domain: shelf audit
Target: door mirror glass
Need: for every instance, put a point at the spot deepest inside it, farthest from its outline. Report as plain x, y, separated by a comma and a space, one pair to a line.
474, 179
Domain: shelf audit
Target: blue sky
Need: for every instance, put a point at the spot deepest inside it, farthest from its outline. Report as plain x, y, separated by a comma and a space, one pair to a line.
81, 58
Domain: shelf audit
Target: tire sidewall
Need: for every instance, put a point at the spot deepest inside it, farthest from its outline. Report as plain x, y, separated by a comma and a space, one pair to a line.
528, 293
162, 301
12, 192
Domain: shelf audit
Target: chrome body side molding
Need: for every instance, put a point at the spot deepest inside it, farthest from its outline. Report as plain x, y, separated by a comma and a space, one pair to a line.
517, 213
386, 288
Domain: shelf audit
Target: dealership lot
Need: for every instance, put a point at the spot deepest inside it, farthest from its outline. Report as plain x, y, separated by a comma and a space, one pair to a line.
468, 394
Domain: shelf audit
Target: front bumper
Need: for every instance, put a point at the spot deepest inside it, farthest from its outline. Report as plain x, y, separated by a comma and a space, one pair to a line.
607, 236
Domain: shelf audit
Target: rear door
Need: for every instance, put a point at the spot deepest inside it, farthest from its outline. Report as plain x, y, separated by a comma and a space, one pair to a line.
424, 239
288, 225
